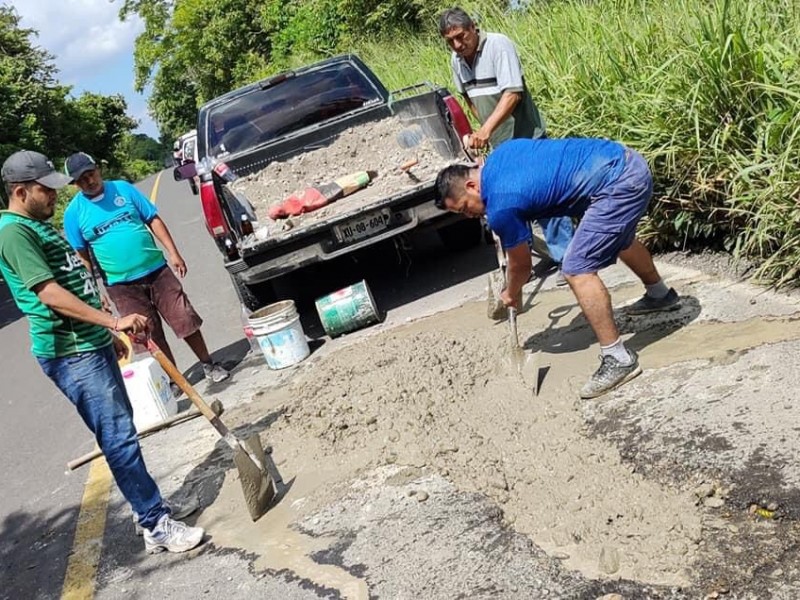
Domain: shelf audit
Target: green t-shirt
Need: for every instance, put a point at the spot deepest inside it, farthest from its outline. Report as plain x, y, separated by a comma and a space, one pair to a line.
32, 252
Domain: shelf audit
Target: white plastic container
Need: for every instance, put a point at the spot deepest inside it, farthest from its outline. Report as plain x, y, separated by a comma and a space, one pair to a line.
280, 334
149, 391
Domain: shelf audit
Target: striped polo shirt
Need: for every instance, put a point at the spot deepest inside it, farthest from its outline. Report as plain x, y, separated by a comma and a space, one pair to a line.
496, 69
32, 252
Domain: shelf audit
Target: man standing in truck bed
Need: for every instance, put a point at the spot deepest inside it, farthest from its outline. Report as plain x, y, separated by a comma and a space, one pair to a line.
118, 223
488, 74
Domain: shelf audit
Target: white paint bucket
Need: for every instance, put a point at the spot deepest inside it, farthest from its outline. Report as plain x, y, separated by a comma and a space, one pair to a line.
280, 334
148, 390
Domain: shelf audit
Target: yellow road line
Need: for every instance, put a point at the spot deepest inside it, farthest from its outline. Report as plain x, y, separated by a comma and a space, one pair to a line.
84, 559
154, 191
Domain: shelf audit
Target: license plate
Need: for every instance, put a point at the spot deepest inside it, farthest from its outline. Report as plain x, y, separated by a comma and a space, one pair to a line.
362, 227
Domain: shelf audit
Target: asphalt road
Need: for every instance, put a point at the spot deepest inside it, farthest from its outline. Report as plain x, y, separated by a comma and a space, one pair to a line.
40, 431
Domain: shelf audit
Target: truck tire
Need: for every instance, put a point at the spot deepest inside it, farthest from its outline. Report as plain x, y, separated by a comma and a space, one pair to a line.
463, 235
255, 296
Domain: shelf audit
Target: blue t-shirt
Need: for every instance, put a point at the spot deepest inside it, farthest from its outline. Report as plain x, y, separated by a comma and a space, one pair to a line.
524, 180
114, 224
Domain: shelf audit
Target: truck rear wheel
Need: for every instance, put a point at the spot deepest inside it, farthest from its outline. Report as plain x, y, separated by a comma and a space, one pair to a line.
463, 235
255, 296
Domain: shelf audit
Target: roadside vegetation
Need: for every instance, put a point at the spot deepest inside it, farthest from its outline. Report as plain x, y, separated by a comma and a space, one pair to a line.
39, 113
708, 91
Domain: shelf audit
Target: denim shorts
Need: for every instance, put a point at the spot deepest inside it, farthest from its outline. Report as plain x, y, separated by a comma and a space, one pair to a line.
609, 224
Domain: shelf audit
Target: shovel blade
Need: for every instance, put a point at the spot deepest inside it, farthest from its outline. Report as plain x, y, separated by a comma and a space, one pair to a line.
528, 368
256, 483
495, 308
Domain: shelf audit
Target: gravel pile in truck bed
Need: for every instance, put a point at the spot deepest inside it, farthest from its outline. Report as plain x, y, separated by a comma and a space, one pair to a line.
378, 146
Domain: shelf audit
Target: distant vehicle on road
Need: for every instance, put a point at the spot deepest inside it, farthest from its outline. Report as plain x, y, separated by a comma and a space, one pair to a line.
185, 151
300, 111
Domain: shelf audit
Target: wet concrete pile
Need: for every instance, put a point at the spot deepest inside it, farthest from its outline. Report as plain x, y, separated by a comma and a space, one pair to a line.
441, 395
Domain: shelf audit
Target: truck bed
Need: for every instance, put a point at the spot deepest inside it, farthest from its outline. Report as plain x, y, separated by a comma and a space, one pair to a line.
415, 131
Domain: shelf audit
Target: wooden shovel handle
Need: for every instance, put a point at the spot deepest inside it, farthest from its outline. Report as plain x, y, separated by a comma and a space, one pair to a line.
172, 371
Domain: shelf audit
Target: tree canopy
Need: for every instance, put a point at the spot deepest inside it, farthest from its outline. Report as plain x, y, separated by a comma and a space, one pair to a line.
39, 113
194, 50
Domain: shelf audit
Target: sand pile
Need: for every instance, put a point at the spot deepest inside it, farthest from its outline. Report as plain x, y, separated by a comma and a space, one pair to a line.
381, 146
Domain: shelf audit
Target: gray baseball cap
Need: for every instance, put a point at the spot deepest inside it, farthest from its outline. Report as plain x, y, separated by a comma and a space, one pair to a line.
77, 164
26, 165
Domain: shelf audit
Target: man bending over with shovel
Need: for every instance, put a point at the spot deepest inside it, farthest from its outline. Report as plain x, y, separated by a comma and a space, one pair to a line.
71, 338
605, 184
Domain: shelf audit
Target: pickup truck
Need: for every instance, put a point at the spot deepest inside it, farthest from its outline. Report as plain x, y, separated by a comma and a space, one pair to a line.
295, 112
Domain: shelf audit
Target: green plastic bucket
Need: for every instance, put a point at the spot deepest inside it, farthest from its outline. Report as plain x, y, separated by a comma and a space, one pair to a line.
347, 309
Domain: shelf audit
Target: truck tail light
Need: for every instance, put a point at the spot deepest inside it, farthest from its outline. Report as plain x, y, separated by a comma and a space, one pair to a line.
459, 119
212, 211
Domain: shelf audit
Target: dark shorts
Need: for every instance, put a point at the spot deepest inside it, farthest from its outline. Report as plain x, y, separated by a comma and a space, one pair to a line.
609, 224
156, 296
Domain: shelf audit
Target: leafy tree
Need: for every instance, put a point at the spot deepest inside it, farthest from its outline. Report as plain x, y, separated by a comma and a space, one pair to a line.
194, 50
30, 99
38, 113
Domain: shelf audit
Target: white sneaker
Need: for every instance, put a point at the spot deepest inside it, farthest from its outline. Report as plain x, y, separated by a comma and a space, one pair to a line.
215, 372
177, 511
172, 536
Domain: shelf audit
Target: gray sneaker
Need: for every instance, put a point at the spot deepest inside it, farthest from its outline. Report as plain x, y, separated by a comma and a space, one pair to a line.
610, 375
172, 536
646, 304
215, 372
177, 511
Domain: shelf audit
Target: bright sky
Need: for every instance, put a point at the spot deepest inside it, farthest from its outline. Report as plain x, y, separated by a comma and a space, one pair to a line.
92, 48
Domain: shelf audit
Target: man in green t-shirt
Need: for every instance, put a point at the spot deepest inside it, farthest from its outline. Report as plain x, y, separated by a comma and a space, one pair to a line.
71, 339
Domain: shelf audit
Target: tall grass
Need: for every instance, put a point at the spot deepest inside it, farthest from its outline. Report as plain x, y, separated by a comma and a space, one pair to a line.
708, 91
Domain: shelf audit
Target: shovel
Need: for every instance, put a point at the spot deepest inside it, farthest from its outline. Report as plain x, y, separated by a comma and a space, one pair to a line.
527, 364
248, 455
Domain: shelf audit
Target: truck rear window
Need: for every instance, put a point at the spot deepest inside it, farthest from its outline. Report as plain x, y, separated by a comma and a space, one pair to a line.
296, 102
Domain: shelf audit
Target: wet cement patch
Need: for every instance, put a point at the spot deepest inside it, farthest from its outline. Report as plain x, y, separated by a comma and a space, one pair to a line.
726, 428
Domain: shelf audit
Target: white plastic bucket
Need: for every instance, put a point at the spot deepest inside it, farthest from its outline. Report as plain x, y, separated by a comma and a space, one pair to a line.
280, 334
149, 392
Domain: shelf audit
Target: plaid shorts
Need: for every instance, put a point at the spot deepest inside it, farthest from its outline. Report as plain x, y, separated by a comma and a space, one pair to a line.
156, 296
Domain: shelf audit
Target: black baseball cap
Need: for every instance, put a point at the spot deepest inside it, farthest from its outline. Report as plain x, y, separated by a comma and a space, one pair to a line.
27, 165
77, 164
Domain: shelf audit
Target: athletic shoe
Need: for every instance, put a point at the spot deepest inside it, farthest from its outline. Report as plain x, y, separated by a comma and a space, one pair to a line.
610, 375
647, 304
215, 372
176, 511
561, 281
172, 536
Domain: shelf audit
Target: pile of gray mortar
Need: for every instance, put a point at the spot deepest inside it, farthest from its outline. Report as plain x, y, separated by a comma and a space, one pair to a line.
440, 396
376, 146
